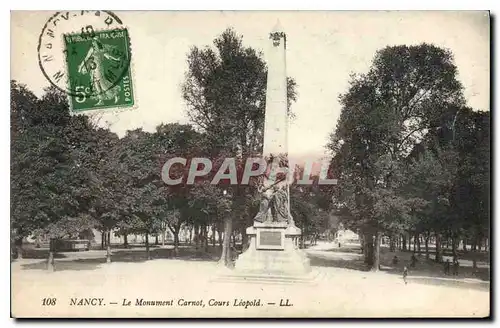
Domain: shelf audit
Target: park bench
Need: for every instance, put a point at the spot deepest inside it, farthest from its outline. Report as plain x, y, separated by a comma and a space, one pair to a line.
70, 245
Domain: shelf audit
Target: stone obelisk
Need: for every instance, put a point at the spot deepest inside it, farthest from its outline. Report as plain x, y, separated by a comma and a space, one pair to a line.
276, 117
273, 251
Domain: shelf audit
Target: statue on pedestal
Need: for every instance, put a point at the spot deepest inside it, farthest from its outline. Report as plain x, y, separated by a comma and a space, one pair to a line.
273, 249
274, 201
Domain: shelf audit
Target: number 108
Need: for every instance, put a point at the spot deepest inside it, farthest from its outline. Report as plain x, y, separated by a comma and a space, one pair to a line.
48, 301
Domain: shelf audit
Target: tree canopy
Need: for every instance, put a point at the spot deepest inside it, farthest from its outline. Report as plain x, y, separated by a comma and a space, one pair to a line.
410, 97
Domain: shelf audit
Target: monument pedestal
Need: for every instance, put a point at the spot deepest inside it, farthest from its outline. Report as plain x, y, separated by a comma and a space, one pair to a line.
273, 251
272, 256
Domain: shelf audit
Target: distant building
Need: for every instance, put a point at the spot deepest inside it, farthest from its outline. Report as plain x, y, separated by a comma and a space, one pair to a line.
346, 236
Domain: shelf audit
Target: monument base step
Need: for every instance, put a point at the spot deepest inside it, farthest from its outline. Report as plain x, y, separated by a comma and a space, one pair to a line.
310, 278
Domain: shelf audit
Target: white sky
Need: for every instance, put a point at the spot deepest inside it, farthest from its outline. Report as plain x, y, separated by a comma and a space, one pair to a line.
323, 48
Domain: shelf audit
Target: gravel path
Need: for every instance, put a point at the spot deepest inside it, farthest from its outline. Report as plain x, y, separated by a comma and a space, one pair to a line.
187, 289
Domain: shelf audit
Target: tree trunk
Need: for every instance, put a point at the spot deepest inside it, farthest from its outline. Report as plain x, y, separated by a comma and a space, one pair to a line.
219, 232
108, 247
163, 237
233, 236
362, 243
205, 237
19, 248
213, 235
148, 254
225, 258
200, 237
376, 255
370, 252
427, 245
419, 248
365, 248
196, 236
157, 242
190, 236
414, 243
244, 240
464, 245
404, 242
176, 241
439, 253
368, 249
103, 239
125, 240
392, 244
51, 259
474, 253
454, 246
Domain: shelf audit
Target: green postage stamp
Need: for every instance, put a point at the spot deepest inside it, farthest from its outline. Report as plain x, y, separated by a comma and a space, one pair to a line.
98, 66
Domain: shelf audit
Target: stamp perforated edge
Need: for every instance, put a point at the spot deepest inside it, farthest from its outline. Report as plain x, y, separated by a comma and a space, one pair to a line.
111, 109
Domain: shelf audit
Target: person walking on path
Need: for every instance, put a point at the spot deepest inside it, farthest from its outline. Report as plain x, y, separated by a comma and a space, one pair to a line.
456, 265
413, 260
395, 260
447, 267
405, 274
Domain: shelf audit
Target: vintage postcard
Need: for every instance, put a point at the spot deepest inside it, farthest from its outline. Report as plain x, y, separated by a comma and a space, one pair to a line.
250, 164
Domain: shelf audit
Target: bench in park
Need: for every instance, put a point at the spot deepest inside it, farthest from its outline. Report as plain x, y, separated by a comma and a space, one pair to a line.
70, 245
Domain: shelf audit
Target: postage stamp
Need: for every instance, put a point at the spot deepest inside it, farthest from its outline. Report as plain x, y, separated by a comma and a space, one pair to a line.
98, 70
87, 55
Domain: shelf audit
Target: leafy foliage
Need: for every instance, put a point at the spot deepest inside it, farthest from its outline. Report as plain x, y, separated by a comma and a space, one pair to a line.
396, 163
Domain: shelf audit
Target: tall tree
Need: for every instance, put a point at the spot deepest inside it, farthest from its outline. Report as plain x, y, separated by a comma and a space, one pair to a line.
470, 138
177, 140
408, 91
44, 174
144, 191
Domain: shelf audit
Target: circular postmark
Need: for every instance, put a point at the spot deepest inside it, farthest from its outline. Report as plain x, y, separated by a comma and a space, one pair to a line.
85, 54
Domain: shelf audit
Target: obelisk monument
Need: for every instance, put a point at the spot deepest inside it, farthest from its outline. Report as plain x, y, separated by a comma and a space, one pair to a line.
273, 250
276, 115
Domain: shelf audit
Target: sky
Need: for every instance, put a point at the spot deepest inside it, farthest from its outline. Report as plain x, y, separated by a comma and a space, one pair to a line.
323, 49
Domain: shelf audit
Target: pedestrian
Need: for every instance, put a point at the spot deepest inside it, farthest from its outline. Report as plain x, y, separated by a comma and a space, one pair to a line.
447, 267
456, 265
413, 260
405, 274
395, 260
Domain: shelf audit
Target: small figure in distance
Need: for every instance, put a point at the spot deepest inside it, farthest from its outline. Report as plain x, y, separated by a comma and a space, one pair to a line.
456, 265
395, 260
447, 267
413, 260
233, 253
405, 274
339, 245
